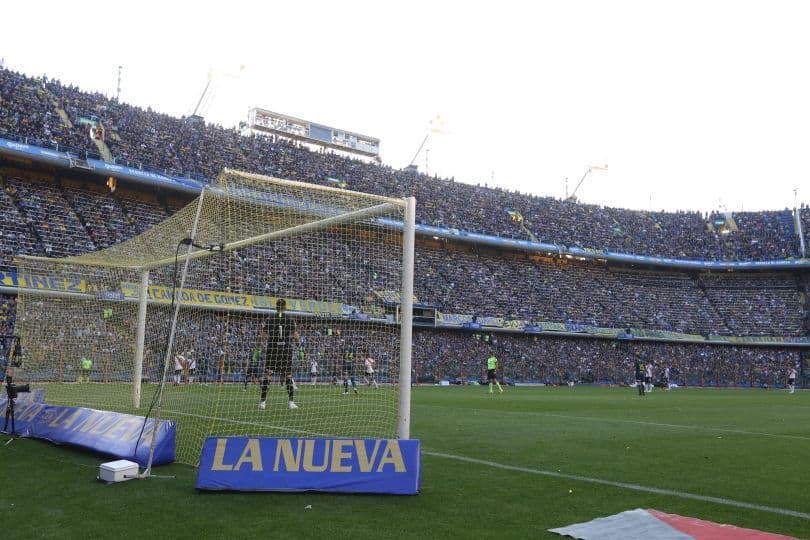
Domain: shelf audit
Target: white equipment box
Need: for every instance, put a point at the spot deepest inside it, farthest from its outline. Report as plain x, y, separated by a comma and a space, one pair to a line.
118, 471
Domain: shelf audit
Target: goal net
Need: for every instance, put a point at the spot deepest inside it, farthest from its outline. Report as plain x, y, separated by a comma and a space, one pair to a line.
173, 323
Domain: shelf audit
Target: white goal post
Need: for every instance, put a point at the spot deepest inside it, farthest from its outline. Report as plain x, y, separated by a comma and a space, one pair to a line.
171, 322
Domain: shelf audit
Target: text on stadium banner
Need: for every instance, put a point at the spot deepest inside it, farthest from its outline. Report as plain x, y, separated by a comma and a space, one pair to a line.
108, 432
198, 297
390, 466
49, 283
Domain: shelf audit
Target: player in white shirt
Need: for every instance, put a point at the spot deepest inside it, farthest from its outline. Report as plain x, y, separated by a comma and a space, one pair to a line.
369, 377
313, 370
792, 380
648, 386
179, 366
192, 367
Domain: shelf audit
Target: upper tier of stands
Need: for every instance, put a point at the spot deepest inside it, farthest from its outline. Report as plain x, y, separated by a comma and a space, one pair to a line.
46, 112
62, 216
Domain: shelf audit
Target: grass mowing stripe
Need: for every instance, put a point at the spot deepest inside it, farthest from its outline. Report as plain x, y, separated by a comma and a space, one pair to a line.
602, 419
679, 426
623, 485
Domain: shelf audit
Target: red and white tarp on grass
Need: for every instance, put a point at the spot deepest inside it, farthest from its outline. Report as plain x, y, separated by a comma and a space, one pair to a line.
644, 524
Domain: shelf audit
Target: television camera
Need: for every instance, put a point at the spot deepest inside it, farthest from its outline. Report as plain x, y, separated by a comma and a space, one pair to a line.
14, 389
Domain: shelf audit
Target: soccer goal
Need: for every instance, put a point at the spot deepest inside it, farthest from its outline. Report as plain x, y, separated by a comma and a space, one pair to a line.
170, 323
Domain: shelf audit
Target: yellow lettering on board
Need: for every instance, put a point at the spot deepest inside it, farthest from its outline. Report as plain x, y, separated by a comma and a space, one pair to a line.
251, 454
55, 421
219, 455
284, 451
77, 413
338, 455
309, 455
116, 429
89, 423
30, 411
103, 425
363, 460
392, 455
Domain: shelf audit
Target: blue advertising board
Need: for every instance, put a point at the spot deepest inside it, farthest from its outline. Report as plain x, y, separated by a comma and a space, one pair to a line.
121, 435
387, 466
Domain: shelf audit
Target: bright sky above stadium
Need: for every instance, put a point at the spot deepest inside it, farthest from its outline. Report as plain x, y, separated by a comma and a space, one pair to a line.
698, 105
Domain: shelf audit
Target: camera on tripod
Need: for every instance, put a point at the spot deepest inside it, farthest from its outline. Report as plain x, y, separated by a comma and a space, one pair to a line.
14, 389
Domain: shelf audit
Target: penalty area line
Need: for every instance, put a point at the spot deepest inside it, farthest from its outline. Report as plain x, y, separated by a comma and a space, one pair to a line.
624, 485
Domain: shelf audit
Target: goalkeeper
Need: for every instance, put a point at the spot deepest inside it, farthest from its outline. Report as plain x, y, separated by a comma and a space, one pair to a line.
280, 333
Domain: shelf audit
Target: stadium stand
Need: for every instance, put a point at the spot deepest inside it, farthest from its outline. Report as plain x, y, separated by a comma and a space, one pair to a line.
45, 214
456, 356
7, 314
56, 225
17, 236
179, 147
464, 279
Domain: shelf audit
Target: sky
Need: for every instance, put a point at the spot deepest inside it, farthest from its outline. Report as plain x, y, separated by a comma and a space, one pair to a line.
692, 105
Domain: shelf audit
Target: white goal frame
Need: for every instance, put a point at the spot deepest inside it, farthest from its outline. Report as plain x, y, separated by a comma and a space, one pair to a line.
406, 206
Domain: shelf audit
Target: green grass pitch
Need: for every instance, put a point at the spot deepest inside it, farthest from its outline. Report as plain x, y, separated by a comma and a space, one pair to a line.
494, 466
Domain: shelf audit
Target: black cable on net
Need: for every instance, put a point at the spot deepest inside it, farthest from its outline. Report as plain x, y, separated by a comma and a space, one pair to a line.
155, 395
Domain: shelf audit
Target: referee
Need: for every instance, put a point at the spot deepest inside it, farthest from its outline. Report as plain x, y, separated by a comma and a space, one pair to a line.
492, 372
281, 334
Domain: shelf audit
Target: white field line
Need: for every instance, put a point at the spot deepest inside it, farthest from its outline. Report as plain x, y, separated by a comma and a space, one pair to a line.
252, 423
624, 485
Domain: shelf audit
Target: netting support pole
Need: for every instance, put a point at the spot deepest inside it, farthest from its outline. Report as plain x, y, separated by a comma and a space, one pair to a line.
406, 319
139, 339
170, 343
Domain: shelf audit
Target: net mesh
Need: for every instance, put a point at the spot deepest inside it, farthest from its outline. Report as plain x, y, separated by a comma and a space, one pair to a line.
335, 256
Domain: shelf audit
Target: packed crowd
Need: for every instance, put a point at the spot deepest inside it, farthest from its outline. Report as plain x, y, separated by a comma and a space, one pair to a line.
7, 314
461, 357
532, 288
62, 218
804, 216
59, 217
46, 112
222, 346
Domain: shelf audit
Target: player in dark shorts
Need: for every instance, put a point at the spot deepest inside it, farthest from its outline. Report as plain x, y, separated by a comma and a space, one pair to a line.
639, 365
281, 335
492, 373
792, 380
348, 369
